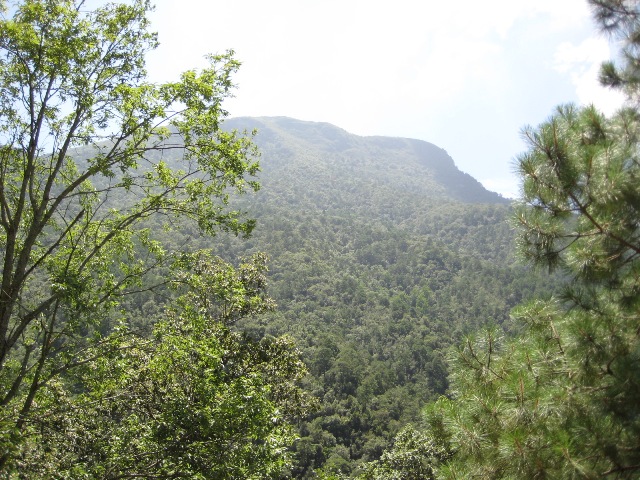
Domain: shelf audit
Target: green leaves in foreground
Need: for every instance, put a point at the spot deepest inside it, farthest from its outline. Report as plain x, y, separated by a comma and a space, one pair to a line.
198, 400
92, 154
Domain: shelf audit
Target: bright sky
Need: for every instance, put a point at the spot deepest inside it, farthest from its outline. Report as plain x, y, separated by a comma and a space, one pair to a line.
466, 75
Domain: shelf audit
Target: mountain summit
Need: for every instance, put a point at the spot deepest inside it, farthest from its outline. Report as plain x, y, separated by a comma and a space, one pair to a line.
329, 158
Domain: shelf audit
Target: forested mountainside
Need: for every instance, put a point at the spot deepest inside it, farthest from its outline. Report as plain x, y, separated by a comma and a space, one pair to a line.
339, 165
381, 255
137, 335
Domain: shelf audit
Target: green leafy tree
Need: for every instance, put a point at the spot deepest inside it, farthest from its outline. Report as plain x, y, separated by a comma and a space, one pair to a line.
89, 149
413, 456
197, 400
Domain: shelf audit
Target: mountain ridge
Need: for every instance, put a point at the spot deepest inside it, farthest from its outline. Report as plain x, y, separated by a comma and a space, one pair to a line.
382, 255
432, 169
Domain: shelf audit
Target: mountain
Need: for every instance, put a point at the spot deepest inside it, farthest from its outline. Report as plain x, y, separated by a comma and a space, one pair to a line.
335, 161
383, 255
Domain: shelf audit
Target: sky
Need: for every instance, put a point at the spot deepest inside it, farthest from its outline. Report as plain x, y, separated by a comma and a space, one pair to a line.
465, 75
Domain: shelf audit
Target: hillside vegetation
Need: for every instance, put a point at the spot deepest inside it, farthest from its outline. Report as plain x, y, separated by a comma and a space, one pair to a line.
364, 311
382, 254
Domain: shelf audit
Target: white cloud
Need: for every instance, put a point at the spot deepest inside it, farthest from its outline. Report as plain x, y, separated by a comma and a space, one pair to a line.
582, 64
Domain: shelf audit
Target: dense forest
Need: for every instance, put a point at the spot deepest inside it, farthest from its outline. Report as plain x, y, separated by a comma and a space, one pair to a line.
382, 255
190, 296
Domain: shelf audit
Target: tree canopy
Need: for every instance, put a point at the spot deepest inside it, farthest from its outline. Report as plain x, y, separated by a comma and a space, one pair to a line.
195, 400
91, 150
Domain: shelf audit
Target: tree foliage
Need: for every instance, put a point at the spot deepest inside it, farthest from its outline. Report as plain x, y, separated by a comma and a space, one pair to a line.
376, 272
196, 400
621, 20
561, 399
413, 456
90, 149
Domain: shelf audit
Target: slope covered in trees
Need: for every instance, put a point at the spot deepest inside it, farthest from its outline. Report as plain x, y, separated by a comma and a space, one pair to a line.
129, 348
378, 263
560, 400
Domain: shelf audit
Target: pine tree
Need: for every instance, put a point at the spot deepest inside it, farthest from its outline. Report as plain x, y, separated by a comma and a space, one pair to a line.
621, 20
562, 400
